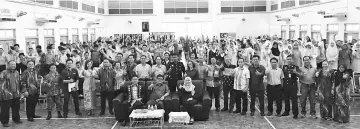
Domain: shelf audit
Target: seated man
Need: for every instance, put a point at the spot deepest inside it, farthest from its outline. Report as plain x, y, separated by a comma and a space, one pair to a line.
159, 91
133, 100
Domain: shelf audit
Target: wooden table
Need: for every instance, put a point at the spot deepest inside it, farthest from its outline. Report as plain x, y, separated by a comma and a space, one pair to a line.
144, 118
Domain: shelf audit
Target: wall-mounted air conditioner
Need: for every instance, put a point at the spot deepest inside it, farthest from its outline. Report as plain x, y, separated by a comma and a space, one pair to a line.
335, 15
3, 19
45, 20
93, 23
284, 19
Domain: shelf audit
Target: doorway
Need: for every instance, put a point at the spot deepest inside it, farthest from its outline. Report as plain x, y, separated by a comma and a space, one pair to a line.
6, 44
31, 42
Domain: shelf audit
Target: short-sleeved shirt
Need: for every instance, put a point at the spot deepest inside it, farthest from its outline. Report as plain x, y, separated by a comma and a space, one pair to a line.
143, 71
158, 91
308, 75
274, 76
290, 78
241, 75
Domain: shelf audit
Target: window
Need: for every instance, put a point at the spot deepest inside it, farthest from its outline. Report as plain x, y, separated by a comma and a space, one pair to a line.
303, 2
315, 32
7, 33
287, 3
303, 32
274, 5
85, 31
283, 32
186, 6
130, 7
75, 31
88, 5
48, 32
292, 29
72, 4
31, 32
49, 2
351, 32
243, 6
63, 32
101, 7
332, 27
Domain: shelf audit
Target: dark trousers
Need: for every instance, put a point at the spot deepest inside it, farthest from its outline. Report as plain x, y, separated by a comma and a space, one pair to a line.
241, 95
31, 102
214, 92
126, 109
14, 104
260, 95
109, 96
81, 85
172, 84
228, 89
274, 94
75, 96
290, 93
188, 105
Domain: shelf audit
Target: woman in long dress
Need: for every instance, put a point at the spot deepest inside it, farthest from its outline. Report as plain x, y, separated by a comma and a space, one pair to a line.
342, 95
332, 55
89, 87
325, 91
188, 98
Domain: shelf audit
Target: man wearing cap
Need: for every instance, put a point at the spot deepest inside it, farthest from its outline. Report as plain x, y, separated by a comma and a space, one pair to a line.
61, 59
46, 60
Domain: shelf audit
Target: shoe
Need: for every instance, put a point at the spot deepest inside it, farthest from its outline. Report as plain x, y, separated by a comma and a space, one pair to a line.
224, 109
111, 113
191, 121
102, 113
30, 119
65, 116
314, 116
295, 116
49, 116
18, 122
252, 113
302, 116
231, 110
217, 109
269, 114
285, 114
278, 115
78, 113
243, 113
59, 115
262, 114
5, 125
237, 111
37, 116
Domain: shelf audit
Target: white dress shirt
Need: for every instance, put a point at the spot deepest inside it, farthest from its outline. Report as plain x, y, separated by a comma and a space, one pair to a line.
241, 76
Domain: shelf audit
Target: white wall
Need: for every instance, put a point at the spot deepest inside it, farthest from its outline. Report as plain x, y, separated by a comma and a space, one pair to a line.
69, 20
208, 24
309, 16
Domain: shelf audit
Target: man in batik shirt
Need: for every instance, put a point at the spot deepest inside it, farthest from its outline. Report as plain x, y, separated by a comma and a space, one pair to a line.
30, 80
11, 90
52, 83
134, 94
106, 76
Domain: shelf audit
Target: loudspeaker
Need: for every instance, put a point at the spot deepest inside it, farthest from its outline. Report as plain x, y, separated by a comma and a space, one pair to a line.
145, 26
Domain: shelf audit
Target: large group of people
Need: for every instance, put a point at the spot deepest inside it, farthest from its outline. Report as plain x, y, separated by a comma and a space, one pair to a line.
256, 66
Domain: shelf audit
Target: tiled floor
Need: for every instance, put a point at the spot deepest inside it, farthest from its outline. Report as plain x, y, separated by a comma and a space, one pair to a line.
218, 120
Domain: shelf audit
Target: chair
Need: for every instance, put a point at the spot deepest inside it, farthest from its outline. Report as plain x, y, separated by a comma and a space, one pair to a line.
42, 98
353, 94
202, 108
122, 97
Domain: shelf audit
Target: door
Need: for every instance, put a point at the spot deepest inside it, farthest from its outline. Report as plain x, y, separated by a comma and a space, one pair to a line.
85, 38
331, 36
6, 44
31, 42
350, 36
291, 34
316, 36
64, 39
93, 38
48, 41
303, 35
75, 38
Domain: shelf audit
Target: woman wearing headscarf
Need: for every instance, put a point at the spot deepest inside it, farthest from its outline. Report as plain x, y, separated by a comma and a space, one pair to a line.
297, 55
356, 58
325, 91
332, 55
275, 51
342, 81
188, 98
